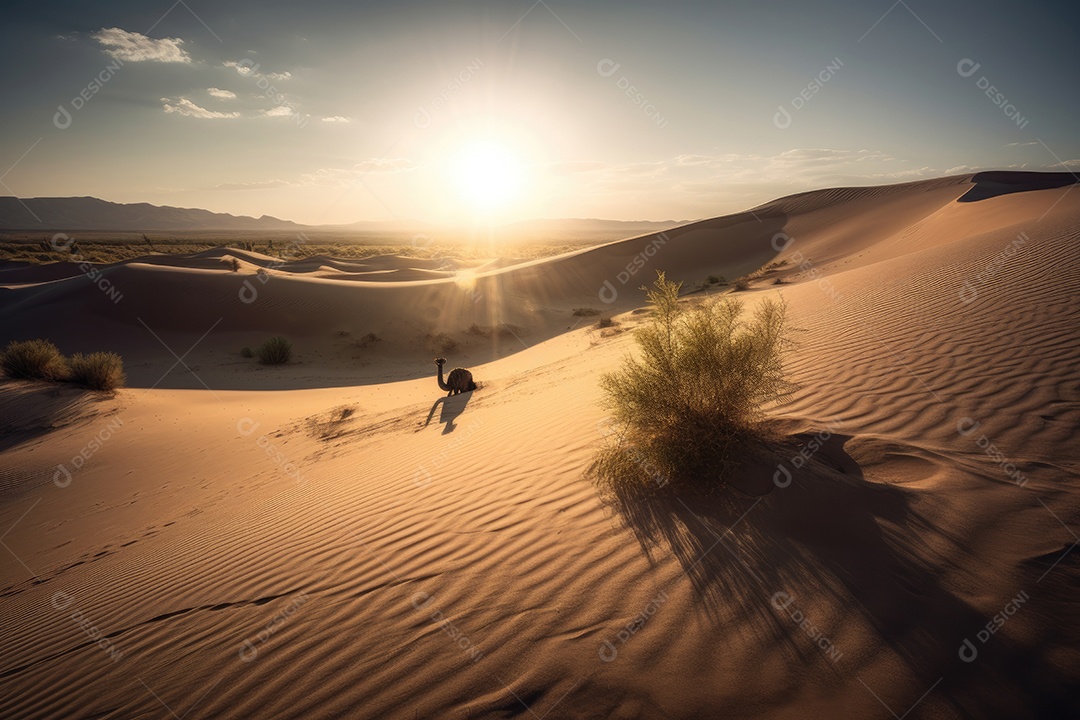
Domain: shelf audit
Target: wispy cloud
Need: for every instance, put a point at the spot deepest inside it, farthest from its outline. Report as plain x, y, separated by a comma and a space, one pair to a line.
221, 94
247, 68
183, 106
135, 47
257, 185
279, 111
337, 119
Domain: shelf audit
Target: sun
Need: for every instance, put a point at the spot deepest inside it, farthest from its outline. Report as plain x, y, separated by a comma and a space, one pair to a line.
488, 176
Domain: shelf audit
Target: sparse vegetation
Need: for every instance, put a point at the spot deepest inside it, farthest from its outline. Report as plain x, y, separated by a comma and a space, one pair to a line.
41, 360
741, 284
247, 352
99, 371
695, 392
368, 340
586, 312
275, 351
715, 280
442, 343
33, 360
605, 323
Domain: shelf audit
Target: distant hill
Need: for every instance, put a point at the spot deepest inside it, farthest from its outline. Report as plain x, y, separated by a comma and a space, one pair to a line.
87, 213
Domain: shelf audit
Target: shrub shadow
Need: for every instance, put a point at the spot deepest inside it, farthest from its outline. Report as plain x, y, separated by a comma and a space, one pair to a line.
836, 545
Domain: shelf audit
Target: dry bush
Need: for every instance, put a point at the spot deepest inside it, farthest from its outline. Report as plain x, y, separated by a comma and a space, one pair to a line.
275, 351
100, 370
33, 360
586, 312
368, 340
695, 392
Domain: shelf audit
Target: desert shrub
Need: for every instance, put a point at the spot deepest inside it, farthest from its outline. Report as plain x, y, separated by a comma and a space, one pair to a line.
741, 284
780, 281
442, 343
605, 323
234, 264
247, 352
695, 392
585, 312
100, 370
275, 351
368, 340
34, 360
714, 280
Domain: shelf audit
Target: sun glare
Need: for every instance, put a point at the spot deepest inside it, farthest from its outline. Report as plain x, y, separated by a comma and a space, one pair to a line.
488, 176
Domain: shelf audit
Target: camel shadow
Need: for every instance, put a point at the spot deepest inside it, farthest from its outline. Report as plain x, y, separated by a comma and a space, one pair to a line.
452, 407
830, 545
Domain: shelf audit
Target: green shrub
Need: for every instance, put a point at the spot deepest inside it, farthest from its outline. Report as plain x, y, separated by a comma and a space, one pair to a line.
247, 352
100, 370
33, 359
695, 392
275, 351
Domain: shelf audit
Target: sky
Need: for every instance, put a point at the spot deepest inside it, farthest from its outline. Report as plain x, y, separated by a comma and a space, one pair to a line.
493, 112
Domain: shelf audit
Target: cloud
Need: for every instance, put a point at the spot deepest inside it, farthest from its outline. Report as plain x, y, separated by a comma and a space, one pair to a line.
221, 94
183, 106
376, 165
243, 67
258, 185
279, 111
336, 119
247, 68
134, 47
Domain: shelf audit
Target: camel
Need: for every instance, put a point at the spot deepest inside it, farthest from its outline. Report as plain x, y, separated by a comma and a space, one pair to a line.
459, 381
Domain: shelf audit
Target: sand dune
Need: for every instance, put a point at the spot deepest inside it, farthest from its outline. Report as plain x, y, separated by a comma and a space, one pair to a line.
359, 546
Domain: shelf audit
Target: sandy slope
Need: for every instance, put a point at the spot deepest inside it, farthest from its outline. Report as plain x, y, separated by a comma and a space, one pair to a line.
373, 550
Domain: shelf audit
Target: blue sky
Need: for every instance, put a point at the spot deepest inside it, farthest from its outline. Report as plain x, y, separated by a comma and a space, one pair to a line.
332, 112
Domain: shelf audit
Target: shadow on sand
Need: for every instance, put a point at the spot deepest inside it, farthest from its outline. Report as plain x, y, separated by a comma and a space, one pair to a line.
452, 407
832, 544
